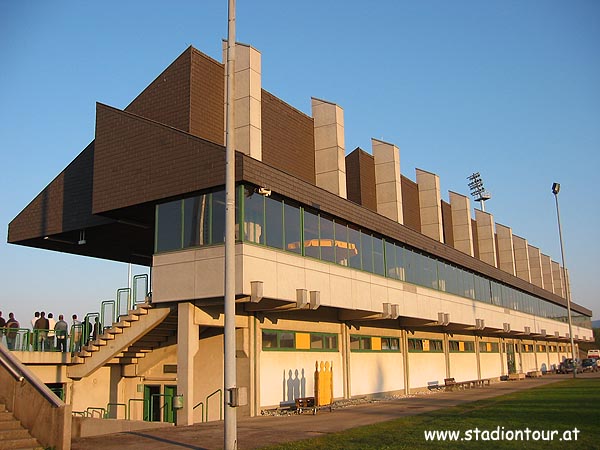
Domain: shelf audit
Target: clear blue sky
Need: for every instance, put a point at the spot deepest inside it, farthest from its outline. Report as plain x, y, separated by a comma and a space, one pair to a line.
507, 88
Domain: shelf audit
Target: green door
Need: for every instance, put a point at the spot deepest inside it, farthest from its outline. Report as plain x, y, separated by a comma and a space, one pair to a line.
151, 403
169, 413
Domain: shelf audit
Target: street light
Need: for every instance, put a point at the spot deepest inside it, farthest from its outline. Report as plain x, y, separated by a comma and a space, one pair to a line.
555, 191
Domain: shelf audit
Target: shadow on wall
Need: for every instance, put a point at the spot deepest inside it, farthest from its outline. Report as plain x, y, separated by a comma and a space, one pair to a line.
293, 386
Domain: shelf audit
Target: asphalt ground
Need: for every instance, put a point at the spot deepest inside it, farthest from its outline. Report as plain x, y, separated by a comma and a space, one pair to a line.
257, 432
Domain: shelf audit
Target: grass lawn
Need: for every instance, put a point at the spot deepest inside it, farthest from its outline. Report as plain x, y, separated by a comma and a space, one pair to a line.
561, 406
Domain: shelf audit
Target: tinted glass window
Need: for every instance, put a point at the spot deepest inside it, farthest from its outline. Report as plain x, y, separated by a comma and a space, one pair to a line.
218, 217
169, 226
311, 234
292, 229
274, 219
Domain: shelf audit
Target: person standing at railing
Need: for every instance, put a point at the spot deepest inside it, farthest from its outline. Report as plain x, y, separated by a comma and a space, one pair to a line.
50, 339
76, 334
33, 337
40, 331
61, 329
2, 325
12, 326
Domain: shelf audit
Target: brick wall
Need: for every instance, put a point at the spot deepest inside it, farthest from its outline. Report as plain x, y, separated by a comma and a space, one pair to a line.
360, 179
64, 205
207, 118
287, 138
447, 223
138, 161
167, 98
410, 204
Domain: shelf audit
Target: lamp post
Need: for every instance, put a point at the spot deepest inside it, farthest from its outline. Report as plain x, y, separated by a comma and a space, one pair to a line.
229, 364
555, 191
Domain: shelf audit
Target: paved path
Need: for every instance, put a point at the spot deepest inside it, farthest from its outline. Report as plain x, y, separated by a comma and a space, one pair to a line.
260, 431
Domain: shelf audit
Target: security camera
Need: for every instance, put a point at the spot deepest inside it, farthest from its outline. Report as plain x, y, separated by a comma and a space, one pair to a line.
264, 191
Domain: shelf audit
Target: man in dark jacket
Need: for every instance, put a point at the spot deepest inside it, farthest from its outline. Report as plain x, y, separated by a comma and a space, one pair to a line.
41, 330
12, 327
61, 330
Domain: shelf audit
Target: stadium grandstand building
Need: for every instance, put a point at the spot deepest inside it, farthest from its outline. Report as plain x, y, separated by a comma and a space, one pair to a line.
339, 258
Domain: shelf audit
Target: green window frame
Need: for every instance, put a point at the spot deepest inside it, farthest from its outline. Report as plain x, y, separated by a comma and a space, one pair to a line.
287, 341
454, 346
365, 343
419, 345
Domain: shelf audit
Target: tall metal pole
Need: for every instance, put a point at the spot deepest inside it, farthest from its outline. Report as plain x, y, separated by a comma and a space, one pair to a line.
230, 425
555, 190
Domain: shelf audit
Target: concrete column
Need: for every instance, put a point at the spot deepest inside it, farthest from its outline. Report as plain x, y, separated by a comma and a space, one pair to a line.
447, 355
387, 180
506, 252
187, 347
478, 356
330, 161
430, 205
461, 223
247, 100
486, 239
521, 258
547, 273
557, 280
535, 265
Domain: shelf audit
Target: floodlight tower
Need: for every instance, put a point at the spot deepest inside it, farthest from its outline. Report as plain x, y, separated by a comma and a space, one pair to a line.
477, 190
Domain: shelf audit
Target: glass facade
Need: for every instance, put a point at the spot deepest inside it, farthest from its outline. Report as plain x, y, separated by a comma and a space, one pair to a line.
283, 224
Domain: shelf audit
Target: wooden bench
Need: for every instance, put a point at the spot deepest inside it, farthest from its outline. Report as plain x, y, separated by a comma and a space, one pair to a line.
451, 383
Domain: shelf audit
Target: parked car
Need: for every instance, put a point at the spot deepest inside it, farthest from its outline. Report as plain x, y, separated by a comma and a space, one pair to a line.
567, 366
589, 365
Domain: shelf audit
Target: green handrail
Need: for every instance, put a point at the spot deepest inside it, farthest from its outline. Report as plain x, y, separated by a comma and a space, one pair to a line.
108, 409
120, 291
220, 392
164, 404
88, 327
136, 400
80, 413
136, 278
92, 409
103, 306
76, 340
201, 415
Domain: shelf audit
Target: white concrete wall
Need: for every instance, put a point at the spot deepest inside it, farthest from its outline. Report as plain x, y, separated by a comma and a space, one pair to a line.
198, 273
463, 366
276, 385
374, 372
425, 368
491, 365
528, 361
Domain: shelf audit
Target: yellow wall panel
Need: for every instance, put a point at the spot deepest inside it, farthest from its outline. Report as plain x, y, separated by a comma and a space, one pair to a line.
303, 341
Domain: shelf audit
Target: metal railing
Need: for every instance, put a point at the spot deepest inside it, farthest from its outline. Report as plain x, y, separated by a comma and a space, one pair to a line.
202, 413
145, 407
111, 311
220, 392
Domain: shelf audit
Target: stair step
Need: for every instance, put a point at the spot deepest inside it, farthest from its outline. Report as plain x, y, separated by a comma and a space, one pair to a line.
123, 324
17, 444
130, 318
91, 348
5, 415
115, 330
99, 342
77, 360
12, 434
106, 337
84, 354
10, 425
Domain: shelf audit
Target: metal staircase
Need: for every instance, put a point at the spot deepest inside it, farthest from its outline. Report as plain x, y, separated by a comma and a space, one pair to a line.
13, 436
139, 332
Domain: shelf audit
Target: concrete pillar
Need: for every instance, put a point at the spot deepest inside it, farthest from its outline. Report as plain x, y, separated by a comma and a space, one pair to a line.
461, 223
486, 239
247, 99
521, 258
387, 180
506, 254
430, 205
547, 273
535, 265
187, 347
557, 279
330, 161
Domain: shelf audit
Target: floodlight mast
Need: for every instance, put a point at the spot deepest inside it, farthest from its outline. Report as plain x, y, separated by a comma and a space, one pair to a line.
477, 190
